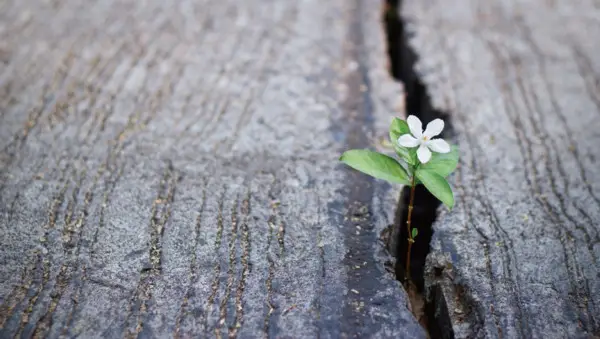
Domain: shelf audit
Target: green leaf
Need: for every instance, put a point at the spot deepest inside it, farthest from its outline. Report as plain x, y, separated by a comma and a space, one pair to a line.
376, 164
408, 154
399, 127
437, 185
443, 163
415, 232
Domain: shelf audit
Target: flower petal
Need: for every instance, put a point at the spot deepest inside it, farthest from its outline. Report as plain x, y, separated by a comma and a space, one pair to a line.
415, 126
408, 140
423, 153
434, 128
438, 145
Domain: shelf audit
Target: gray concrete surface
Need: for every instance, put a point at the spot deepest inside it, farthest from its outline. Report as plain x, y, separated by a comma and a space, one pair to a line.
169, 169
518, 256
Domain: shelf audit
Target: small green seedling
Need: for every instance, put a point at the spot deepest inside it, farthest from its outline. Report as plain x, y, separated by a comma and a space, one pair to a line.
423, 160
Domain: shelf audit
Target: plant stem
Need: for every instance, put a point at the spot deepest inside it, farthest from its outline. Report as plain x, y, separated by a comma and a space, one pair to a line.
408, 227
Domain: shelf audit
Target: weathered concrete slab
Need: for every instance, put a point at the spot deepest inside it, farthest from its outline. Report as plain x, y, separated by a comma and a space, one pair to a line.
518, 257
169, 169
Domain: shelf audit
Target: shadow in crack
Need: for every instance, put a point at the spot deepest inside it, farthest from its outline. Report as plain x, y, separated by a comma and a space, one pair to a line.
418, 103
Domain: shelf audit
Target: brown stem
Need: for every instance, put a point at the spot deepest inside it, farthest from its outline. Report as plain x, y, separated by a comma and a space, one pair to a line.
408, 228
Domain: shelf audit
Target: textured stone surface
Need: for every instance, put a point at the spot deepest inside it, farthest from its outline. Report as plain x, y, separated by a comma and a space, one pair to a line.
169, 169
518, 256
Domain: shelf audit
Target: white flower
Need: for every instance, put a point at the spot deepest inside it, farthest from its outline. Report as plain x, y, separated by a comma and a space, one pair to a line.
424, 139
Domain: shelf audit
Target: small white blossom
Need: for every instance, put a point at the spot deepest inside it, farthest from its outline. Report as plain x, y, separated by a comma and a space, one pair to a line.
424, 139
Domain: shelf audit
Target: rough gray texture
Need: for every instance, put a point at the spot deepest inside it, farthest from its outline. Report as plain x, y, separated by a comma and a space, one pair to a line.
169, 169
518, 256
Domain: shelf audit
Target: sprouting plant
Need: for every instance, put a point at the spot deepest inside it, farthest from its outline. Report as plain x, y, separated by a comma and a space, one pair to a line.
423, 160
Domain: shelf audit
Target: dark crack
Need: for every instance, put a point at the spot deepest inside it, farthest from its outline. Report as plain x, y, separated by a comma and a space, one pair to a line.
433, 314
